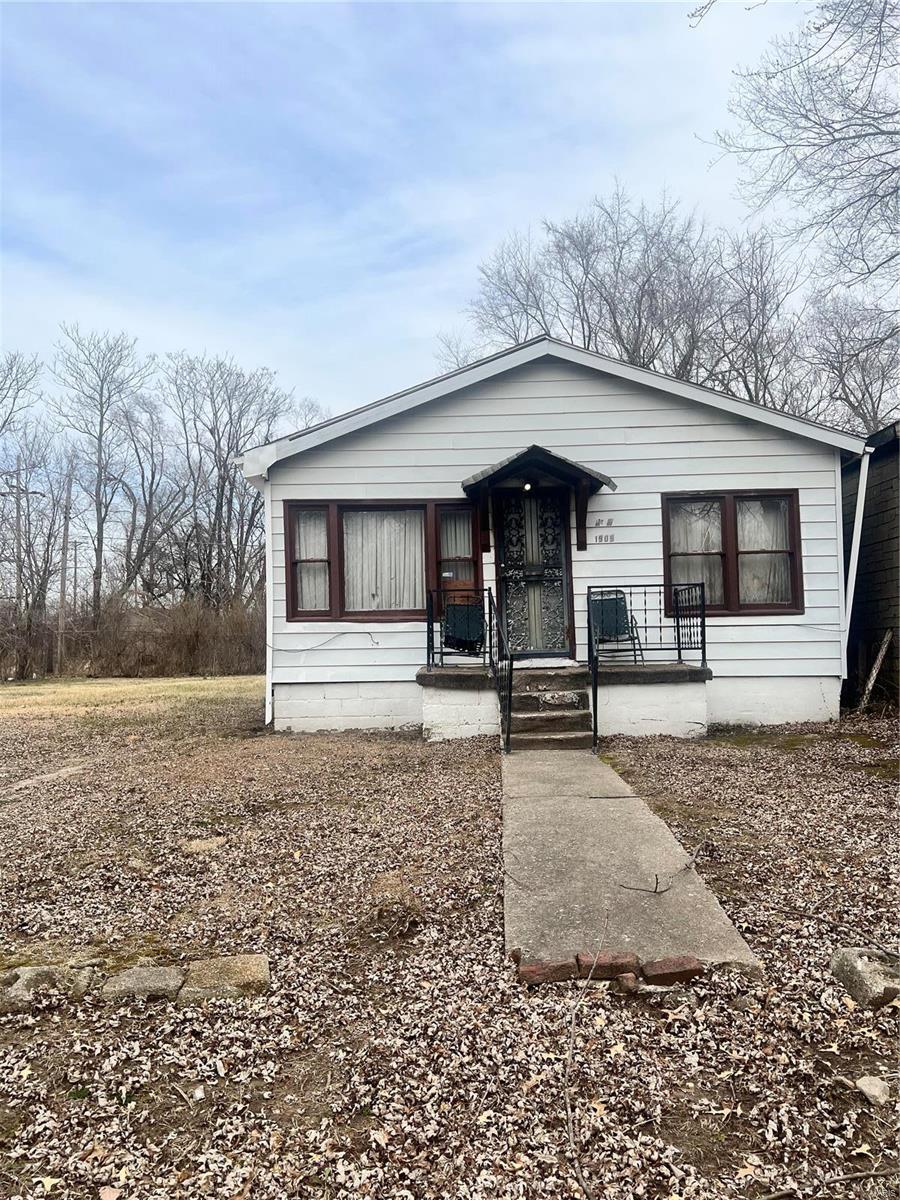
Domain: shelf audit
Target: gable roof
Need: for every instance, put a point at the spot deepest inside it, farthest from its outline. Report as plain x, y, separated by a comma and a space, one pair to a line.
257, 461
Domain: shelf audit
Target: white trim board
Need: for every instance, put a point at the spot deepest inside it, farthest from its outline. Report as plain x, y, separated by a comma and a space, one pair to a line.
257, 461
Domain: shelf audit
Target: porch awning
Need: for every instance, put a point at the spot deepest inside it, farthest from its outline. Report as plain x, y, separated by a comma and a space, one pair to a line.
540, 464
535, 460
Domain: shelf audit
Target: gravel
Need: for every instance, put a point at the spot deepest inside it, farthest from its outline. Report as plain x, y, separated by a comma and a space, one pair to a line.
403, 1059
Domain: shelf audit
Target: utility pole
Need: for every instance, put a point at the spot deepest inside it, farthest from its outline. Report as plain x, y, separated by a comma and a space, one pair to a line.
61, 616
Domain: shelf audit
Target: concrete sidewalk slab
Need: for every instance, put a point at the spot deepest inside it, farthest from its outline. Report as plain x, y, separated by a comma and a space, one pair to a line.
573, 834
536, 772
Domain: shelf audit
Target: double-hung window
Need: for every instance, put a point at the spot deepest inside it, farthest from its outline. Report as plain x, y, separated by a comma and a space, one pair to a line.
378, 561
743, 546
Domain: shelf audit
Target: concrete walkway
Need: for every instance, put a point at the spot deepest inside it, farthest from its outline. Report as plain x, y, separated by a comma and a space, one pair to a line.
573, 833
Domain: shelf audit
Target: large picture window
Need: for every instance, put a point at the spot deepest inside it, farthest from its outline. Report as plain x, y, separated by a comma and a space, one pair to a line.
376, 561
744, 546
384, 560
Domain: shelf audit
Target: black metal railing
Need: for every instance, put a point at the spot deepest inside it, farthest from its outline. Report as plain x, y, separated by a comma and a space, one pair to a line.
501, 664
466, 624
643, 623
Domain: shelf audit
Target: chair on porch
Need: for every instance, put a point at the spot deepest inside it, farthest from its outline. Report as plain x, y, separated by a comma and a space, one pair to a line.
611, 622
464, 626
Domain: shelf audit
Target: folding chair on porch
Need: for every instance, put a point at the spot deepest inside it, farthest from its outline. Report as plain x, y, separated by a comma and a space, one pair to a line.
611, 622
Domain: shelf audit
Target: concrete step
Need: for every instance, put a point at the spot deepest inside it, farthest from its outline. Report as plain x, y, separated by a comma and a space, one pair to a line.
551, 741
550, 679
552, 721
551, 701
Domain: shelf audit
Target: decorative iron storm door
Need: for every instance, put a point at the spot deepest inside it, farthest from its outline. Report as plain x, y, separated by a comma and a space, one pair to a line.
533, 568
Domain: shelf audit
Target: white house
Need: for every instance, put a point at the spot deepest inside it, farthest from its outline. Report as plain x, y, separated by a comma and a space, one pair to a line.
425, 549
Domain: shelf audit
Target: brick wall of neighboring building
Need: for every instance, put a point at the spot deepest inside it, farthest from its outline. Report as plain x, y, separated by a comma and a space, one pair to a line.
876, 606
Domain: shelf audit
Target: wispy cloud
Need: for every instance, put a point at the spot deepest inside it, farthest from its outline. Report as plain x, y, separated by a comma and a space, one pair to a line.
313, 186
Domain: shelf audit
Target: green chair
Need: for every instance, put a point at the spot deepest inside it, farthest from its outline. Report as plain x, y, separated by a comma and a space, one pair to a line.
611, 622
463, 626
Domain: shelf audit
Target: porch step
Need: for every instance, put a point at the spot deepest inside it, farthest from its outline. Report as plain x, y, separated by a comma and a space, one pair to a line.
551, 721
575, 740
567, 700
551, 679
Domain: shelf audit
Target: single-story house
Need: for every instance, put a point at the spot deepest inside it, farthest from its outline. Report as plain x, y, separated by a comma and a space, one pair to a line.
876, 599
550, 537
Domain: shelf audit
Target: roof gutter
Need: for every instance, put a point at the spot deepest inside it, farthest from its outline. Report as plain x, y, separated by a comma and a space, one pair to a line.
854, 545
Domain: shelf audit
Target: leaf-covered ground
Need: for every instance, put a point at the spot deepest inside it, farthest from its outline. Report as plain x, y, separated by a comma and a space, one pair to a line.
415, 1066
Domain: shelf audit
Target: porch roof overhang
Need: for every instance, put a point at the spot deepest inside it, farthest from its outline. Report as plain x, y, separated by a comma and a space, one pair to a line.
535, 460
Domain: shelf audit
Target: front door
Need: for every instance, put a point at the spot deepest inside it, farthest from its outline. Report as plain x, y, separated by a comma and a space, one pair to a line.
533, 569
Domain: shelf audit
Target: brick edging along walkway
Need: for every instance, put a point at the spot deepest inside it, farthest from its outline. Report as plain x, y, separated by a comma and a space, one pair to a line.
622, 966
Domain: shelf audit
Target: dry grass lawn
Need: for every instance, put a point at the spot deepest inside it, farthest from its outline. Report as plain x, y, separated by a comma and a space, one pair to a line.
396, 1056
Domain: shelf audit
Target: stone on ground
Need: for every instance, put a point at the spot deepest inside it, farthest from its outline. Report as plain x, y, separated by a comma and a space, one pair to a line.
870, 976
152, 983
874, 1089
226, 978
26, 984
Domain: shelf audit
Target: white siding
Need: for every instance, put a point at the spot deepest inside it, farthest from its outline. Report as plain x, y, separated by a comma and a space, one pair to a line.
647, 441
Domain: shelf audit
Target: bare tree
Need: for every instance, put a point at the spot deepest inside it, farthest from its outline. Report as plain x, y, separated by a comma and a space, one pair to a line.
101, 374
19, 376
155, 500
641, 284
29, 547
855, 346
819, 126
761, 327
219, 409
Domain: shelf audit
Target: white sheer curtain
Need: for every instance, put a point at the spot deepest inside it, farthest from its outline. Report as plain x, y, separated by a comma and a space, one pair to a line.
311, 542
764, 577
695, 545
384, 559
456, 547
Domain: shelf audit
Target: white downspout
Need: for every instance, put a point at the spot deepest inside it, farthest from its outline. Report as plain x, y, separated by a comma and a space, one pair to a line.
854, 545
270, 603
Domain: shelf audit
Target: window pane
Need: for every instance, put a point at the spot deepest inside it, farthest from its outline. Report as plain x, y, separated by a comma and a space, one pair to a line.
384, 560
700, 568
695, 526
762, 523
312, 586
310, 534
765, 578
456, 534
459, 571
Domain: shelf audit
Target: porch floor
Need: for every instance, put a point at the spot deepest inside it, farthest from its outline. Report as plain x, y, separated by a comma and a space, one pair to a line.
573, 834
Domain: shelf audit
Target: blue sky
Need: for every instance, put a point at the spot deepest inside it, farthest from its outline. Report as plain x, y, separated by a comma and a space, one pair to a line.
312, 187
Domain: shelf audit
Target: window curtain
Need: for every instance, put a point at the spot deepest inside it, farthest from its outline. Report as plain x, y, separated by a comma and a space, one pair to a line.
384, 560
695, 545
456, 544
456, 534
311, 542
764, 577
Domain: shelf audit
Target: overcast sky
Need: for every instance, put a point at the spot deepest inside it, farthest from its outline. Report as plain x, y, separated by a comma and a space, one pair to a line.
312, 187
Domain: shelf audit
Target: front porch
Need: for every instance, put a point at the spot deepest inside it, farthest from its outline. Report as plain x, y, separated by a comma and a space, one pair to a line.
645, 673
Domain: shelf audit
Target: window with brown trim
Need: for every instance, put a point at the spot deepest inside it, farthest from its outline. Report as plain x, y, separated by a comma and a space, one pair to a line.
309, 564
376, 561
744, 546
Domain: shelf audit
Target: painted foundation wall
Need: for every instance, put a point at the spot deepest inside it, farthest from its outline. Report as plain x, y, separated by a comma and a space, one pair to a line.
459, 713
773, 701
641, 710
314, 707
